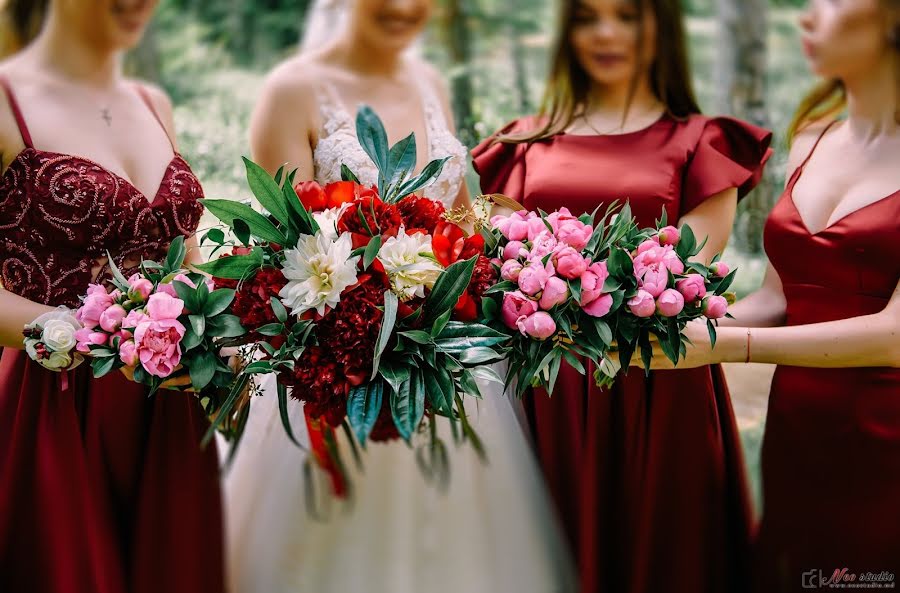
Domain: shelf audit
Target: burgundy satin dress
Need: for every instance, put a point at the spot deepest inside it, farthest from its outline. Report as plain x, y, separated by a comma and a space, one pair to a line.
102, 489
648, 476
831, 450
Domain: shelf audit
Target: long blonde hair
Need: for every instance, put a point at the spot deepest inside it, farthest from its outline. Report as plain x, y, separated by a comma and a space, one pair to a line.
20, 22
829, 99
569, 85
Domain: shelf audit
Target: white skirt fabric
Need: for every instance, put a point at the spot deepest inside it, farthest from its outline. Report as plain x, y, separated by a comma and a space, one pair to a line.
492, 530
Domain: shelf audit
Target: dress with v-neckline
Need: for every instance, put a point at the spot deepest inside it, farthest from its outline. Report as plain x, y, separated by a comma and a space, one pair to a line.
97, 480
823, 422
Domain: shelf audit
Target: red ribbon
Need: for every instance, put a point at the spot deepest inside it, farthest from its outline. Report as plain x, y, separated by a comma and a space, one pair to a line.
318, 431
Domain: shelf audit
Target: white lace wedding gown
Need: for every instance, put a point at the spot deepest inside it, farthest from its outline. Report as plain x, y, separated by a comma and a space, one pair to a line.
492, 531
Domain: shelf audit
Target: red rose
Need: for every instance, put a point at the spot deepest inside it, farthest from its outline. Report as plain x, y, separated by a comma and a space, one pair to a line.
315, 198
380, 218
420, 213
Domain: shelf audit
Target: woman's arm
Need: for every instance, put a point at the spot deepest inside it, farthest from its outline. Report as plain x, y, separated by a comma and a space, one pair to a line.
713, 219
864, 341
463, 199
283, 123
17, 311
765, 307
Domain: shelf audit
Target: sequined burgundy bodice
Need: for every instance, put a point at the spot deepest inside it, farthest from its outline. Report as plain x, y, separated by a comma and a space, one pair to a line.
60, 214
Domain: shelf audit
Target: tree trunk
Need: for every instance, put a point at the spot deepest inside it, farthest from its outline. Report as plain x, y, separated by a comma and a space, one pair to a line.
741, 65
459, 44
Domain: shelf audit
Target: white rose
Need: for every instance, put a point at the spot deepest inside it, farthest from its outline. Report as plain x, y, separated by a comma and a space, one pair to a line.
58, 336
56, 362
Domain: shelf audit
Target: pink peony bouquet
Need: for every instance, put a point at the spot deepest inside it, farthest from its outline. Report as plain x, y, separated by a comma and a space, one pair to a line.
160, 323
574, 291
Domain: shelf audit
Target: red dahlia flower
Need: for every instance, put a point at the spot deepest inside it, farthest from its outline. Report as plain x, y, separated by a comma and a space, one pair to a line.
420, 214
380, 219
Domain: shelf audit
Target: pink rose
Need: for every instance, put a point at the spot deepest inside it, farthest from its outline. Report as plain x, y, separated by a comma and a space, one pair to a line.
691, 287
128, 353
574, 233
139, 288
111, 319
654, 280
511, 270
720, 269
592, 282
599, 306
643, 304
670, 303
714, 307
669, 236
514, 250
515, 306
534, 276
158, 345
539, 326
162, 306
555, 293
569, 263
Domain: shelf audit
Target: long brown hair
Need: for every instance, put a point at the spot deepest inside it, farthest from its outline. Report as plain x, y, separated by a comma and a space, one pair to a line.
829, 98
20, 22
569, 85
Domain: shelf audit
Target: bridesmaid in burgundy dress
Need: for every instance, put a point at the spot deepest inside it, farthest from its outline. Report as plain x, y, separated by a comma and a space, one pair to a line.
829, 315
648, 476
102, 489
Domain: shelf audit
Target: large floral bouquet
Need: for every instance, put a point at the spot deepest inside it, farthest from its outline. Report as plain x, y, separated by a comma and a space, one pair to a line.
364, 298
572, 290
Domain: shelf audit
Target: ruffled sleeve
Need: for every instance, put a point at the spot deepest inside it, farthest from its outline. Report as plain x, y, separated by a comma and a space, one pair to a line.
730, 153
501, 165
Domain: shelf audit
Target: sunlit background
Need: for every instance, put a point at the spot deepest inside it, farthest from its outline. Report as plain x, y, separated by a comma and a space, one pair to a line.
212, 55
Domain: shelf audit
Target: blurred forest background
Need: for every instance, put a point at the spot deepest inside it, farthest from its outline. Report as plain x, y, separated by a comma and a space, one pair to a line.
211, 56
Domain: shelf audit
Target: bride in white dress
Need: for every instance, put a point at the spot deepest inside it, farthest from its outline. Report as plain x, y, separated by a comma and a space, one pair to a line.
492, 530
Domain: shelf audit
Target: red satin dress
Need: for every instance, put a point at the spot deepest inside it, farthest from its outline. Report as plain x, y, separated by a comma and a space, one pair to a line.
831, 450
102, 489
648, 476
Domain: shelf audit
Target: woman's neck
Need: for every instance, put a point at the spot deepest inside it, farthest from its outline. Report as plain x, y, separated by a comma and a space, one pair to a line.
64, 51
617, 99
872, 103
357, 55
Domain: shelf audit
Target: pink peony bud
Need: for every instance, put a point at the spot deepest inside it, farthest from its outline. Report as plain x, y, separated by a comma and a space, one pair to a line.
672, 262
516, 305
670, 303
599, 306
139, 288
720, 269
128, 353
514, 250
536, 226
643, 304
533, 277
511, 270
569, 263
163, 306
555, 293
714, 307
574, 233
669, 236
692, 287
655, 280
111, 319
651, 243
539, 326
592, 282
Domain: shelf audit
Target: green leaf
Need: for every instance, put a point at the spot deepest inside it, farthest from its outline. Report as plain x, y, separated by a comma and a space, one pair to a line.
267, 192
186, 294
387, 327
271, 329
575, 289
214, 235
281, 313
283, 413
177, 251
501, 287
490, 308
118, 279
198, 324
102, 366
469, 384
371, 251
348, 175
225, 326
449, 287
190, 340
603, 330
418, 336
241, 230
218, 301
431, 172
279, 175
202, 369
574, 362
711, 328
401, 160
228, 211
687, 242
373, 139
620, 263
475, 356
301, 220
439, 389
459, 345
395, 375
408, 405
234, 267
441, 322
363, 407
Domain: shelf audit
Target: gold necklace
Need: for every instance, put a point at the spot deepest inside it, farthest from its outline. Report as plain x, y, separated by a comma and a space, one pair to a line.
621, 126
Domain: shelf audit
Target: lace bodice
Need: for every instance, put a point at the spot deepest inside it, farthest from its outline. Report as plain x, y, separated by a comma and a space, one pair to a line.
337, 145
60, 214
